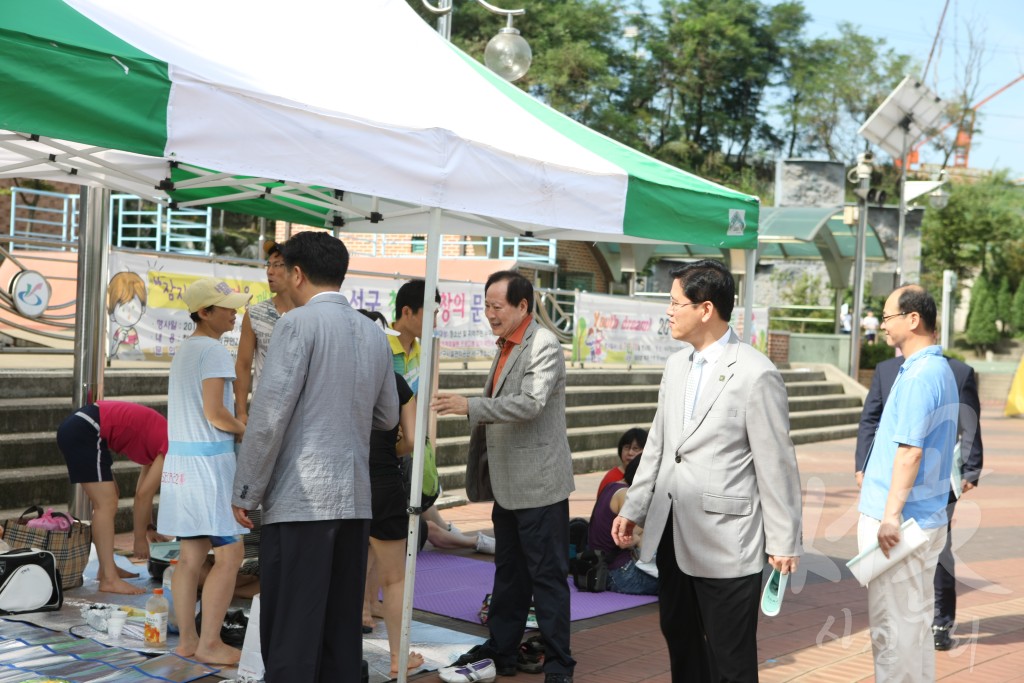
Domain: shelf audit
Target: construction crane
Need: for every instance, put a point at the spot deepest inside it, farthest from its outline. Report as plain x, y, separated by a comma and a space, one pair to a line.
962, 142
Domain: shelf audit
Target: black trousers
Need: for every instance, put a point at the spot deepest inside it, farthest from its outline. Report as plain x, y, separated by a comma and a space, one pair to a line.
710, 625
531, 561
312, 576
945, 575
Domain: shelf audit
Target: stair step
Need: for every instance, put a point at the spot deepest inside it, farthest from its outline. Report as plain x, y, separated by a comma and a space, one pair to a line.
455, 450
45, 414
642, 414
830, 433
453, 477
813, 388
824, 418
27, 486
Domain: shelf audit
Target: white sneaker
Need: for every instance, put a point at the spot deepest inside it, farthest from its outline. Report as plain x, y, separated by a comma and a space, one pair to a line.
481, 671
454, 529
485, 544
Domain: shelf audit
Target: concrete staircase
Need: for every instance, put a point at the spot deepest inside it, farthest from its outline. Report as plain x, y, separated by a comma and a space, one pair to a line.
600, 406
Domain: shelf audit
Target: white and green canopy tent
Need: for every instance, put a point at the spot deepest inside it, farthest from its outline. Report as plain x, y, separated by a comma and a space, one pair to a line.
354, 116
317, 110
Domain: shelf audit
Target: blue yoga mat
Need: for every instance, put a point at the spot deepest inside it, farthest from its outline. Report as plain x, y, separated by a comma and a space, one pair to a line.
455, 586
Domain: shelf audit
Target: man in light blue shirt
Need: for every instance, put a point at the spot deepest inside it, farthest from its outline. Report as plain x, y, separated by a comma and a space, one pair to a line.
907, 476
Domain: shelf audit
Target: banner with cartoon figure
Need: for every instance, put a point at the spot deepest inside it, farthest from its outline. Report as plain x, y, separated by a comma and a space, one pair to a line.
633, 331
148, 319
622, 331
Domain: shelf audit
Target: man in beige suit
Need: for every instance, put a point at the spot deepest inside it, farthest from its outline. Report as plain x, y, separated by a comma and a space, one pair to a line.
520, 458
718, 488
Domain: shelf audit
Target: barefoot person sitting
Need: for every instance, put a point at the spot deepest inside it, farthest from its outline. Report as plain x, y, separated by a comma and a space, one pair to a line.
195, 499
86, 437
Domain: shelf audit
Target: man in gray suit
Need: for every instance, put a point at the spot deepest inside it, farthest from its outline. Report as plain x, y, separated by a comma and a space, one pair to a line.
327, 381
519, 457
718, 486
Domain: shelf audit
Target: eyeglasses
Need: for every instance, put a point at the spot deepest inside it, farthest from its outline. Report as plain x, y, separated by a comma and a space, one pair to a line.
886, 317
275, 264
675, 305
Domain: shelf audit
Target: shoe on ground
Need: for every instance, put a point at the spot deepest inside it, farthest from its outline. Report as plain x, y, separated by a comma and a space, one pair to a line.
454, 529
485, 544
557, 678
943, 641
481, 671
480, 652
531, 656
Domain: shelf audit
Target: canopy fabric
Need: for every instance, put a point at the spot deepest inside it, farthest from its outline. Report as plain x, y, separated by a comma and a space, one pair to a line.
350, 115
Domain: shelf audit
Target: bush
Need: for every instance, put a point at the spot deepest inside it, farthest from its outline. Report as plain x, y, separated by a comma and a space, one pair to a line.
950, 353
982, 332
873, 354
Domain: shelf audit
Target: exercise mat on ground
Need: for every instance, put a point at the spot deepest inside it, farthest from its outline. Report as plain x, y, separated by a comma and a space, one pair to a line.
455, 586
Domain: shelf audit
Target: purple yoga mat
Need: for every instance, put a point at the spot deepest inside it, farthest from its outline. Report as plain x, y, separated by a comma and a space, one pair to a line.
455, 586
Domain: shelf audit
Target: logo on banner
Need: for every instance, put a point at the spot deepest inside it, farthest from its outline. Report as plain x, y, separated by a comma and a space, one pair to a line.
737, 222
31, 293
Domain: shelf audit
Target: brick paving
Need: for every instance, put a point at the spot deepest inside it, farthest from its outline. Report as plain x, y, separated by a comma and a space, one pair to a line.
821, 635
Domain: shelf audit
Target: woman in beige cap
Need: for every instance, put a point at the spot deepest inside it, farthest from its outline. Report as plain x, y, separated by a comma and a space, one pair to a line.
195, 498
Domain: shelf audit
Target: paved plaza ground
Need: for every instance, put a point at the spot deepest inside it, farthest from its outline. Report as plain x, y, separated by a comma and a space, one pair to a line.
821, 635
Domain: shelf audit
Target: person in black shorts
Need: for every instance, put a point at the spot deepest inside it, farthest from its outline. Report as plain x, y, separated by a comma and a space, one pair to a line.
390, 522
86, 438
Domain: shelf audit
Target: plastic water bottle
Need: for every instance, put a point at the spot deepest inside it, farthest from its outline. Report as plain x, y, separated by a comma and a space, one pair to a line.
172, 618
156, 618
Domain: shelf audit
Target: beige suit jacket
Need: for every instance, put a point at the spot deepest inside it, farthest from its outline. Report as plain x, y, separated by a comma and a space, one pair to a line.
518, 449
734, 494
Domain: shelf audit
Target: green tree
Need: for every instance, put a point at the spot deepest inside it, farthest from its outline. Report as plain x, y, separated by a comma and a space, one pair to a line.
982, 332
578, 57
834, 84
1004, 305
800, 291
1017, 309
981, 229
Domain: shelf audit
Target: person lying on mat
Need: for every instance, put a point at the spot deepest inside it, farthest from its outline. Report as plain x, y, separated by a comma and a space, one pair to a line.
626, 574
86, 437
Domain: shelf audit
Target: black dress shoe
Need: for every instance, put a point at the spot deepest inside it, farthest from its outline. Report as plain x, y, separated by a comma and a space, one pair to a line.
943, 641
557, 678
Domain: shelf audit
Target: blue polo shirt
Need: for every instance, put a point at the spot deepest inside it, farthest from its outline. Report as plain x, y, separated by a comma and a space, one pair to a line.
921, 411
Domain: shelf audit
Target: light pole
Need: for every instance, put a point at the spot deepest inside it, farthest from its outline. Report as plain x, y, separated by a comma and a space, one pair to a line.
507, 54
862, 174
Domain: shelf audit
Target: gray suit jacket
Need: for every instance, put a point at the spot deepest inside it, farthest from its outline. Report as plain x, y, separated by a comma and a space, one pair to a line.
734, 495
327, 380
518, 448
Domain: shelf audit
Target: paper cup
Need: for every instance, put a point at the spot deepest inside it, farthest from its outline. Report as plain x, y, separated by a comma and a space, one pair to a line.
115, 623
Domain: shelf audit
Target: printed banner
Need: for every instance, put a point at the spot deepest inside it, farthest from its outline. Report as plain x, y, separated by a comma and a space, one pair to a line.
148, 319
634, 331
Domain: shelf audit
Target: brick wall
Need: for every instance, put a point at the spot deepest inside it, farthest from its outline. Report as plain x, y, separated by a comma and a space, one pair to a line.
778, 347
577, 260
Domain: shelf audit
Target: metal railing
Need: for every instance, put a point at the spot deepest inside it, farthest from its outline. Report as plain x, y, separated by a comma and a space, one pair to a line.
524, 249
57, 222
141, 224
49, 221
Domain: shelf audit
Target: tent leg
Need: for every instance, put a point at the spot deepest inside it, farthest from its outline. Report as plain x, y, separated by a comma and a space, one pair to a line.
90, 322
427, 361
750, 255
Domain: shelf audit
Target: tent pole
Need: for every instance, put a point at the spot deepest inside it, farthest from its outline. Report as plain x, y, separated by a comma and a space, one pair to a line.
750, 256
427, 361
90, 322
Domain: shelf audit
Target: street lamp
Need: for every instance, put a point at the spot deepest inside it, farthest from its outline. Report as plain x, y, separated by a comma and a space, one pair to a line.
507, 54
